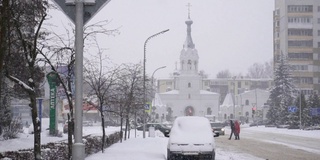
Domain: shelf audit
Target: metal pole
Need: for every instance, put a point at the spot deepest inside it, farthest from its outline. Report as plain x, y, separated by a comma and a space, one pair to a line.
144, 78
78, 148
152, 79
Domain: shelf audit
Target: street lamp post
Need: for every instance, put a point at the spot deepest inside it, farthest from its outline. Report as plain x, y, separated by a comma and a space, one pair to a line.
155, 72
152, 79
144, 76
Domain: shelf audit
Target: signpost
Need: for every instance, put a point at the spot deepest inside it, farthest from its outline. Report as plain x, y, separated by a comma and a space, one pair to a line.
314, 111
292, 109
80, 12
90, 9
52, 80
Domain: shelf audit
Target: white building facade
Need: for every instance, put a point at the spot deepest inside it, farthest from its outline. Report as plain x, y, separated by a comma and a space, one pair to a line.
241, 106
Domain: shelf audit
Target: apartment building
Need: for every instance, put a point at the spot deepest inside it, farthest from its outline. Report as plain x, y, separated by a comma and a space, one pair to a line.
297, 35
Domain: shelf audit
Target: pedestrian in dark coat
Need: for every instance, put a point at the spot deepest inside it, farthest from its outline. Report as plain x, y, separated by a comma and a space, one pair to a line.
237, 130
232, 128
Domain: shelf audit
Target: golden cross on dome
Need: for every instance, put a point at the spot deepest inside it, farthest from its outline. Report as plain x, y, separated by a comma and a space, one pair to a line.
189, 5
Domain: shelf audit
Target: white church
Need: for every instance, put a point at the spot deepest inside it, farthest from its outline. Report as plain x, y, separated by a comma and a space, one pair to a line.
188, 95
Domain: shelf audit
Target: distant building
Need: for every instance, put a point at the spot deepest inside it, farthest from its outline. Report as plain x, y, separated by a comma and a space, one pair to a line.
241, 106
223, 86
296, 27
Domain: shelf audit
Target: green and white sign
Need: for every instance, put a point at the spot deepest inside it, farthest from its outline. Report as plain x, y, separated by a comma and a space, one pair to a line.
53, 83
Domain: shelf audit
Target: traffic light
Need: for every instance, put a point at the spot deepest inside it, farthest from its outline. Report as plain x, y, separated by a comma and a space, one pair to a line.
253, 110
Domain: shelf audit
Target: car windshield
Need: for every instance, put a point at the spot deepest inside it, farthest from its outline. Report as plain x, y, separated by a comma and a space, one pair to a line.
217, 125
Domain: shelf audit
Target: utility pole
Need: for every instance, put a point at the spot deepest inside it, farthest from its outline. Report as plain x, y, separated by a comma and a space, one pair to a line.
80, 12
144, 77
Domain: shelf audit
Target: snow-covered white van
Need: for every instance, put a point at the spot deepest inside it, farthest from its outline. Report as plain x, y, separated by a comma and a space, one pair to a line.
191, 137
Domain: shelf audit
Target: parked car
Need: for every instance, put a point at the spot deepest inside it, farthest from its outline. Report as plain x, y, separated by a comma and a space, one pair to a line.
191, 137
218, 127
87, 123
157, 126
258, 123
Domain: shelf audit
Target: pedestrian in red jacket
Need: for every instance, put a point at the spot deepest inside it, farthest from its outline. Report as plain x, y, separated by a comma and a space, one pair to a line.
237, 130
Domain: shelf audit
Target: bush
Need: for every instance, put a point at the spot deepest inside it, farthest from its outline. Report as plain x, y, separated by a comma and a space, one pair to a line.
11, 131
59, 150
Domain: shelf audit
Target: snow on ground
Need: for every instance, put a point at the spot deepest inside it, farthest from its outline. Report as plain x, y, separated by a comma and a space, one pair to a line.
293, 132
26, 140
154, 148
139, 148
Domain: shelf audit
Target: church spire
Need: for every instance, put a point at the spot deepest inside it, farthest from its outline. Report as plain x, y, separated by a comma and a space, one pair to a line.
188, 43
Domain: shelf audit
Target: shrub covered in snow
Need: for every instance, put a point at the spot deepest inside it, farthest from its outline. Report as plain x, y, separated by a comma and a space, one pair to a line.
11, 131
59, 150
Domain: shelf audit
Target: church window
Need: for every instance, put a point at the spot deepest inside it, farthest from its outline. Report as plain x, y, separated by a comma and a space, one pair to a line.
189, 64
209, 111
189, 85
182, 63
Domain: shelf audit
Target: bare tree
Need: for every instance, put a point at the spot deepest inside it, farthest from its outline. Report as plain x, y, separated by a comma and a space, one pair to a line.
268, 67
102, 81
224, 74
58, 51
25, 16
130, 88
258, 70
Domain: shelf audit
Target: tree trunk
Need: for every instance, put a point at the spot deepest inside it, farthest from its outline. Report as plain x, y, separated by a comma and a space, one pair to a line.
70, 122
121, 122
103, 130
36, 127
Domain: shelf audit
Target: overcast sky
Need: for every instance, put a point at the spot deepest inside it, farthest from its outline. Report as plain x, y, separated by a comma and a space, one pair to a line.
228, 34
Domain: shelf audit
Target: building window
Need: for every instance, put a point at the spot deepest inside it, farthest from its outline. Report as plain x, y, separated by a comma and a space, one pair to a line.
318, 8
299, 32
239, 84
299, 8
189, 85
247, 102
300, 67
318, 20
299, 19
318, 32
318, 44
189, 64
189, 96
301, 56
304, 80
277, 12
300, 43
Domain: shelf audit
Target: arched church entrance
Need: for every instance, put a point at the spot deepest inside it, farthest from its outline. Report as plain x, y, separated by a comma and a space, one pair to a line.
189, 111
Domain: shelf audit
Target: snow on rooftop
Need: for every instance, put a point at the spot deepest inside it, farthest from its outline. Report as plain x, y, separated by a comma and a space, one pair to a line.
228, 101
171, 92
207, 92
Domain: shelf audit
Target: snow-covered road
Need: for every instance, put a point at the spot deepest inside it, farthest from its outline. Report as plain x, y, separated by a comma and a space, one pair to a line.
274, 143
